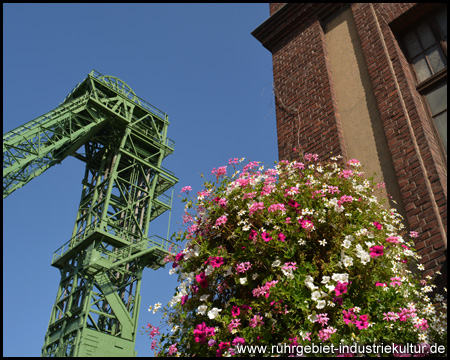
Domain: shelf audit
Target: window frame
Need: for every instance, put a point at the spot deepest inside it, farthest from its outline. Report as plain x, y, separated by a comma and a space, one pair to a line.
435, 80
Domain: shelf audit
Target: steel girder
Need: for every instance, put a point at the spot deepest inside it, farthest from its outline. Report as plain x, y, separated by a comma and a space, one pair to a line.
123, 141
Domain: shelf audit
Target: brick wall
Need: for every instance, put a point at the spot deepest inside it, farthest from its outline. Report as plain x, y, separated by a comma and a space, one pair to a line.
307, 113
304, 96
419, 165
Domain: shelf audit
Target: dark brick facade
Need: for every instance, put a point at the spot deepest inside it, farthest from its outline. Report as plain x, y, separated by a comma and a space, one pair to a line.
308, 117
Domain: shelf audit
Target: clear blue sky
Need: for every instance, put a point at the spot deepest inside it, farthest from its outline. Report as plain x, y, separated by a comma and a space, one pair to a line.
197, 62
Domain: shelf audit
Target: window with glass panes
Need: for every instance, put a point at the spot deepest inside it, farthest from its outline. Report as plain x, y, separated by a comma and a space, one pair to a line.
425, 45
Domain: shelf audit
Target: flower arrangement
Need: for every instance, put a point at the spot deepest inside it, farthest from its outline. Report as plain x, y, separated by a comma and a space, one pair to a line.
297, 254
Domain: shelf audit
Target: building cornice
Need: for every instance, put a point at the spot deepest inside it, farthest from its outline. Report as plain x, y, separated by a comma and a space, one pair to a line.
290, 17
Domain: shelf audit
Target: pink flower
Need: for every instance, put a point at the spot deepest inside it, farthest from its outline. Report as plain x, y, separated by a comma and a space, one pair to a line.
392, 239
275, 207
349, 316
390, 316
223, 202
266, 236
154, 332
186, 189
220, 171
380, 284
306, 224
333, 189
202, 194
199, 335
376, 250
345, 198
377, 225
201, 279
184, 299
216, 261
243, 267
153, 345
341, 288
322, 319
293, 204
311, 157
222, 347
291, 191
255, 207
325, 334
221, 220
238, 340
395, 281
290, 265
253, 234
422, 325
256, 321
353, 162
413, 234
362, 323
172, 349
281, 237
234, 324
235, 311
210, 331
249, 195
346, 173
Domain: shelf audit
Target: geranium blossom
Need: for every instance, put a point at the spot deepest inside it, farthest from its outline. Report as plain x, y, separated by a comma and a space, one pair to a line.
255, 207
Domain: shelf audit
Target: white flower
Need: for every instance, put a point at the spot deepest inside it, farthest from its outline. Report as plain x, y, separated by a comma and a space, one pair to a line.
276, 263
356, 309
246, 228
156, 307
254, 276
312, 317
347, 261
316, 295
229, 272
202, 309
302, 242
204, 297
243, 280
420, 267
330, 287
325, 279
349, 238
321, 304
309, 282
322, 242
365, 258
370, 244
241, 213
288, 273
196, 250
213, 313
150, 308
209, 269
346, 244
174, 328
340, 277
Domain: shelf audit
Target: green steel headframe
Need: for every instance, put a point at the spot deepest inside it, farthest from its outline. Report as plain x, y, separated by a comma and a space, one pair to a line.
123, 141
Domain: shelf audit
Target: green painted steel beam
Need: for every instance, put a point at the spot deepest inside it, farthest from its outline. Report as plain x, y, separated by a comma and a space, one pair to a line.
124, 141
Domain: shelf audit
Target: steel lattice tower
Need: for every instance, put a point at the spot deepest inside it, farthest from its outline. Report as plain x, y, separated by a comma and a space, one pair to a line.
123, 141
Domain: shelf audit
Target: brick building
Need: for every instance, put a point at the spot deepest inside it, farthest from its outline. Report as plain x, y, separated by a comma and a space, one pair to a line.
369, 81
